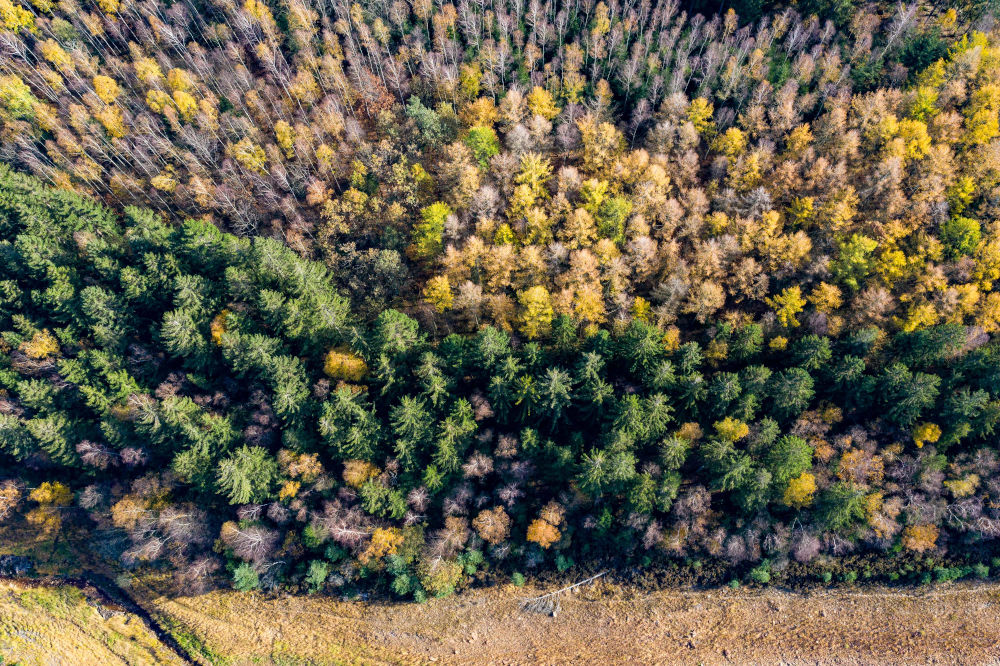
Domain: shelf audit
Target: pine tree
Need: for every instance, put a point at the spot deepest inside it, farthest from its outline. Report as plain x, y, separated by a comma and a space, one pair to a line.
247, 475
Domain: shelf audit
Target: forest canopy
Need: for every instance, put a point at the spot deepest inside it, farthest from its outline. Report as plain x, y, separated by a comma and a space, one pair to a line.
396, 294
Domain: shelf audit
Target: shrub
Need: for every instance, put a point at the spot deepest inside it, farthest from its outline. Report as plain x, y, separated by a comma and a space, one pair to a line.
563, 563
317, 574
761, 574
245, 578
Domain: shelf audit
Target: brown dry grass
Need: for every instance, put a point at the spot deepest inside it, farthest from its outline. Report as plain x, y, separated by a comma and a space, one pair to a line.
57, 625
599, 624
606, 624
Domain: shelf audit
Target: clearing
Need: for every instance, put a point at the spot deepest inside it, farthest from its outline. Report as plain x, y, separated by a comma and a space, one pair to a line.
605, 624
602, 623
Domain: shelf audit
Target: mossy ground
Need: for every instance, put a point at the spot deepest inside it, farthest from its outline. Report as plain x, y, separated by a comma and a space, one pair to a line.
60, 625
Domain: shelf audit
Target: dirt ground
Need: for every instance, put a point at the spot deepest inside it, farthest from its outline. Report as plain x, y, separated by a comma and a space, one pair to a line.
605, 624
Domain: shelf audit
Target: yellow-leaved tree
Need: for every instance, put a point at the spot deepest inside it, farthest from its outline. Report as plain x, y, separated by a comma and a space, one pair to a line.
800, 491
920, 538
536, 313
52, 499
438, 293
